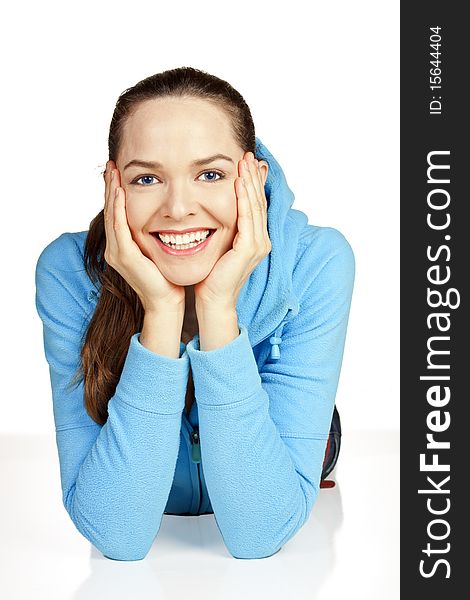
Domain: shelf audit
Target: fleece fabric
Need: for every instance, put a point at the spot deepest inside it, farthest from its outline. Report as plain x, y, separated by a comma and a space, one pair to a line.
251, 449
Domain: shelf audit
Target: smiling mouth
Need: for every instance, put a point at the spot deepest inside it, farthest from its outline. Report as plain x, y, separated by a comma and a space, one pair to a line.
186, 246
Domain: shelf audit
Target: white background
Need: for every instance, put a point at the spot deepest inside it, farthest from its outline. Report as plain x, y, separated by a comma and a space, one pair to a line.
322, 82
323, 89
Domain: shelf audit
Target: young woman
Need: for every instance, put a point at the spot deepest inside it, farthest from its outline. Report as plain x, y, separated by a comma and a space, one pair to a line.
195, 333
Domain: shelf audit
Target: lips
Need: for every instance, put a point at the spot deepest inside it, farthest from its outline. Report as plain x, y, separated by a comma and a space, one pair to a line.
183, 231
187, 251
155, 233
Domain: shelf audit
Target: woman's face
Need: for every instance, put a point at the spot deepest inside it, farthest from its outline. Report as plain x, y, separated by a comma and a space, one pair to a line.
178, 193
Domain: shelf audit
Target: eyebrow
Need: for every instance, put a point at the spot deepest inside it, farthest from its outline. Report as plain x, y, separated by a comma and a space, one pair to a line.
195, 163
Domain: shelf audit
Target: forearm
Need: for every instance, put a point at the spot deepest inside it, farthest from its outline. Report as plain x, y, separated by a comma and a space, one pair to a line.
218, 326
258, 497
119, 495
161, 331
116, 480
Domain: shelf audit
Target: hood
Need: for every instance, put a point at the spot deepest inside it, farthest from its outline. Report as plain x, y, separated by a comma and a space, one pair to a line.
267, 301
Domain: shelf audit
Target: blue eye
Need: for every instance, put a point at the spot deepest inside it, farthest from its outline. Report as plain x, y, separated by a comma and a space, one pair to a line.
144, 177
221, 176
148, 183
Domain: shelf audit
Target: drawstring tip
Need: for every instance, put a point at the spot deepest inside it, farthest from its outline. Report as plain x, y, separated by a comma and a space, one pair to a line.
275, 352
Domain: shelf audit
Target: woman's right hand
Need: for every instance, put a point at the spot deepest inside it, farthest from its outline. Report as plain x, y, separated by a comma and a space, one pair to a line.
124, 255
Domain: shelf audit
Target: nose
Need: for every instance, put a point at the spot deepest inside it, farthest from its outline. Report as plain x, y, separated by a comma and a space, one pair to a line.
179, 201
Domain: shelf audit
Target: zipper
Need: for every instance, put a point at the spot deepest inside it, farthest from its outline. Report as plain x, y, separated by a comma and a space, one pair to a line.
195, 445
196, 458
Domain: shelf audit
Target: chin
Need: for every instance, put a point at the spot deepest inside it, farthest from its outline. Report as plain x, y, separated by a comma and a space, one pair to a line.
185, 280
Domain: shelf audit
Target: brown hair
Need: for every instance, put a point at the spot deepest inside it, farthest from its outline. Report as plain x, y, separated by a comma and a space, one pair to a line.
119, 313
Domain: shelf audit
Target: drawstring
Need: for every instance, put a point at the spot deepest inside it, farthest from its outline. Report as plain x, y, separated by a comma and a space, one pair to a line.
276, 340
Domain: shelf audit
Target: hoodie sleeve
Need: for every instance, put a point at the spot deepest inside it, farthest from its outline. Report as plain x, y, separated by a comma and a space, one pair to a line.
263, 434
115, 478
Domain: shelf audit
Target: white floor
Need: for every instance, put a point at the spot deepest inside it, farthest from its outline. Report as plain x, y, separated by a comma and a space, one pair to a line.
349, 548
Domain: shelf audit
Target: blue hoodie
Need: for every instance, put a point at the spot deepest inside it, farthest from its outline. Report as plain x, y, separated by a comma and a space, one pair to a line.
252, 448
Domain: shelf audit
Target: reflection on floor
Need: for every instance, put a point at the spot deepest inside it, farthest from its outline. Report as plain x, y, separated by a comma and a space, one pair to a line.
348, 548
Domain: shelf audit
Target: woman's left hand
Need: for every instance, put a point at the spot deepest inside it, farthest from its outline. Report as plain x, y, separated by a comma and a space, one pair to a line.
250, 245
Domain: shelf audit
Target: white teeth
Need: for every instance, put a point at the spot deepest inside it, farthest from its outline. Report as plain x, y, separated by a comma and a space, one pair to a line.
179, 240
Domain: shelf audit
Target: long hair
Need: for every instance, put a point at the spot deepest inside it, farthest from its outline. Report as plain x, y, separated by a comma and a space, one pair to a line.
119, 312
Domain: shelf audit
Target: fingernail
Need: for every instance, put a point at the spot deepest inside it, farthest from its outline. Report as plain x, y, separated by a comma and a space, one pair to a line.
112, 174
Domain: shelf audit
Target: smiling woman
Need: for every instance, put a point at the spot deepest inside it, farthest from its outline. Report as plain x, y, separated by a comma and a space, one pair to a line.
186, 185
164, 323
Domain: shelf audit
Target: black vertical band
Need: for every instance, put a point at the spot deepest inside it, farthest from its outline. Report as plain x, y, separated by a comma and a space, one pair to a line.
435, 321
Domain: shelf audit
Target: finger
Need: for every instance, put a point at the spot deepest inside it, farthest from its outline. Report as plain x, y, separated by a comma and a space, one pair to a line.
122, 232
245, 204
264, 201
254, 186
121, 227
261, 185
257, 209
107, 180
265, 206
109, 209
259, 205
253, 168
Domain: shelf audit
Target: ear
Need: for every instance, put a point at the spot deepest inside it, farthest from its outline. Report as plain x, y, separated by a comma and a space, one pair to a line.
264, 168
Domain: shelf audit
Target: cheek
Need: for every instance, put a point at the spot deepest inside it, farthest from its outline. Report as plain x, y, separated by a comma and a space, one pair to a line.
228, 213
135, 217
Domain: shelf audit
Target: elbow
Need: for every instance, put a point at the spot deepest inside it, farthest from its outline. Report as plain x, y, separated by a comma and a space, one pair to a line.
244, 546
115, 545
267, 544
250, 553
122, 549
124, 553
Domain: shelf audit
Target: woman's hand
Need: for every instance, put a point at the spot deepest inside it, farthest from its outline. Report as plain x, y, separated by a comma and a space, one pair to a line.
250, 245
124, 255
